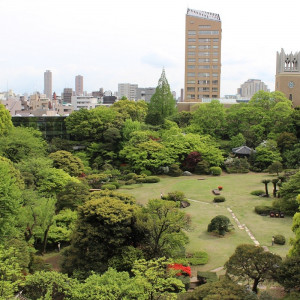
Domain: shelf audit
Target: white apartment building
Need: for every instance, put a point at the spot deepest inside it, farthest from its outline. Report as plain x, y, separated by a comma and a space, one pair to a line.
87, 102
128, 90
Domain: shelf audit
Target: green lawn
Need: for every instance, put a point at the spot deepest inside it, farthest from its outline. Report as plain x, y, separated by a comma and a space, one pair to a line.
236, 190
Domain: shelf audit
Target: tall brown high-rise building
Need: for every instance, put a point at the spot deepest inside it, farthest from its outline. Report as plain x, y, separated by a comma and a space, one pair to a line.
202, 55
79, 85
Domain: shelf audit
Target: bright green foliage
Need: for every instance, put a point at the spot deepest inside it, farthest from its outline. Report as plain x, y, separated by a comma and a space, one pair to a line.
21, 143
148, 155
72, 195
292, 157
49, 285
237, 141
215, 171
129, 127
268, 100
163, 224
66, 161
10, 200
219, 224
288, 193
129, 109
162, 102
5, 121
126, 198
156, 279
250, 262
11, 277
15, 173
51, 181
182, 118
111, 285
281, 116
63, 226
286, 141
295, 242
224, 289
104, 225
90, 124
209, 118
266, 154
288, 273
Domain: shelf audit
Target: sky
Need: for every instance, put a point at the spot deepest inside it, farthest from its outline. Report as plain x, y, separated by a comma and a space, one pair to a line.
131, 41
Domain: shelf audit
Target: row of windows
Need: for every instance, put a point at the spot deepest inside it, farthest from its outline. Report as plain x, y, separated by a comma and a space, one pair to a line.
207, 47
202, 40
192, 96
202, 89
203, 32
203, 82
193, 74
203, 67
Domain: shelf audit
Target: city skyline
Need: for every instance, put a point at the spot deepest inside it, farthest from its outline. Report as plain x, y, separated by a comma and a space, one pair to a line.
109, 42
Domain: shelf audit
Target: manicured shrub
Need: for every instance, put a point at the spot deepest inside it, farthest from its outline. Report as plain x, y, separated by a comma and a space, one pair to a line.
257, 192
218, 199
130, 176
215, 171
116, 184
219, 224
174, 170
130, 181
186, 281
151, 179
202, 168
175, 196
146, 172
263, 209
108, 186
279, 239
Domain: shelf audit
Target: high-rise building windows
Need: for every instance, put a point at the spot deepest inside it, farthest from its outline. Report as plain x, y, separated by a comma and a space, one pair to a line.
203, 32
48, 84
191, 66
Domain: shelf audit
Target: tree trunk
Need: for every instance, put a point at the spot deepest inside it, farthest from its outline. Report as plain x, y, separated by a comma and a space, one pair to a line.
255, 284
274, 190
45, 238
266, 188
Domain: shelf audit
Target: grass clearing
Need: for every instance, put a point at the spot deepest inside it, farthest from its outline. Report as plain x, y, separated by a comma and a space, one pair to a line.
236, 190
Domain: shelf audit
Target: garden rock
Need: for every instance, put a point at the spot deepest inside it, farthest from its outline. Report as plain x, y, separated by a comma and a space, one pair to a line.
187, 173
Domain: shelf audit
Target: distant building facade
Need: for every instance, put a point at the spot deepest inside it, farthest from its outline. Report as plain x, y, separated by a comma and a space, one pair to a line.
145, 93
67, 95
87, 102
128, 90
79, 85
202, 55
288, 76
48, 84
250, 87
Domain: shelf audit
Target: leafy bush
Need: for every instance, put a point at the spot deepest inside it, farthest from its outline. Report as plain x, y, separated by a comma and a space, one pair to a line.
218, 199
194, 259
263, 209
279, 239
130, 181
108, 186
146, 172
174, 171
215, 171
236, 165
186, 281
175, 196
130, 176
116, 183
219, 224
151, 179
202, 168
257, 192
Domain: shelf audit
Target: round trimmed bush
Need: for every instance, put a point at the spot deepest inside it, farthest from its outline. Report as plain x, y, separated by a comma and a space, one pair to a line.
108, 186
146, 172
279, 239
130, 181
257, 192
174, 170
263, 209
116, 184
215, 171
218, 199
151, 179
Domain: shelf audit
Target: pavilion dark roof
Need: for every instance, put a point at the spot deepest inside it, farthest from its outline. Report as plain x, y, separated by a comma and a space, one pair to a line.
243, 150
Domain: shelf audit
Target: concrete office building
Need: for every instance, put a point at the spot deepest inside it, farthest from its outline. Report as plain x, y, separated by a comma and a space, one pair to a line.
67, 95
202, 55
250, 87
128, 90
48, 84
288, 76
145, 93
79, 85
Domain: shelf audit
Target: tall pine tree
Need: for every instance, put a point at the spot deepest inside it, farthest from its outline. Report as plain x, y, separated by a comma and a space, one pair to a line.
162, 103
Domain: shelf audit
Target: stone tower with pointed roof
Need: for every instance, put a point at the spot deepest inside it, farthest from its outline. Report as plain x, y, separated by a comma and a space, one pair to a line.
288, 76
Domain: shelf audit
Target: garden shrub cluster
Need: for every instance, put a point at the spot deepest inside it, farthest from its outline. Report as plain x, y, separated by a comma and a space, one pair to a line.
215, 171
108, 186
219, 199
207, 277
194, 259
263, 209
174, 171
236, 165
133, 178
257, 192
279, 239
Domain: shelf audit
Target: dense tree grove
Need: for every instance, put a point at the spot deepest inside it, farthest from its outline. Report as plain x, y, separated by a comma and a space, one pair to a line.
64, 192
